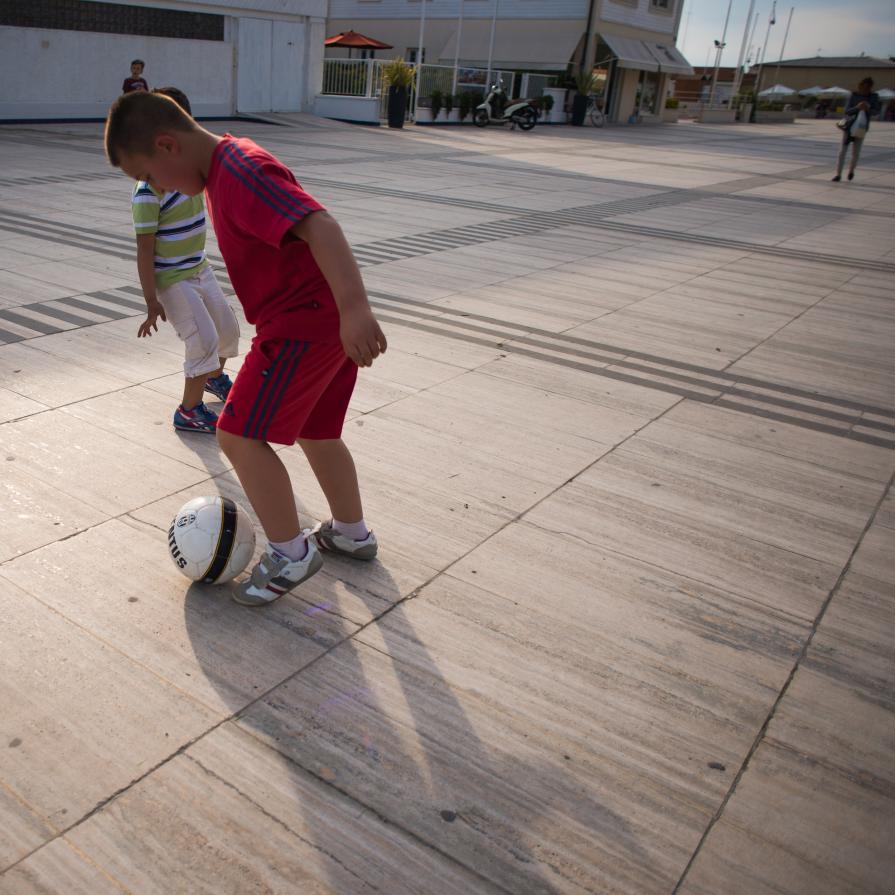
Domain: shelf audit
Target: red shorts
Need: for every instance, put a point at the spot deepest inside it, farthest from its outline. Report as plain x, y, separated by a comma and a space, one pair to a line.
289, 389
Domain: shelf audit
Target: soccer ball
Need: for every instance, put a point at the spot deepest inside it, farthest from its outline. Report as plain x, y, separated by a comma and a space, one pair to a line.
211, 539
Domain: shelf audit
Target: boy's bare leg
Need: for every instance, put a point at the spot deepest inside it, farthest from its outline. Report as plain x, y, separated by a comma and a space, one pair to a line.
194, 388
266, 483
333, 465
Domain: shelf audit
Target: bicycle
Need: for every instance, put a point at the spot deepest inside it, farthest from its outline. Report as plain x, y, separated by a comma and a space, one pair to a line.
594, 110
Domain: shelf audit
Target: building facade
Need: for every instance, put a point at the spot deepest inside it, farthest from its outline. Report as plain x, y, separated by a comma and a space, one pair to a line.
69, 58
830, 71
630, 42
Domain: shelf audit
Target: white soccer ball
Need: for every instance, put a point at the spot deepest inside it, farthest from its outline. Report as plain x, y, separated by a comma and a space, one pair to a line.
211, 539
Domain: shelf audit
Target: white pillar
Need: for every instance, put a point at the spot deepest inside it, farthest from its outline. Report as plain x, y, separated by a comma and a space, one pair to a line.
457, 48
419, 59
316, 34
491, 46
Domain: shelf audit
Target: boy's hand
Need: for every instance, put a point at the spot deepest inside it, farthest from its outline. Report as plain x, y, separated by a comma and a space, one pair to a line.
154, 310
362, 337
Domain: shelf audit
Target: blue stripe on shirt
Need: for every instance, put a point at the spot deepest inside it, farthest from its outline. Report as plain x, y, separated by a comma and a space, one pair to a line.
288, 199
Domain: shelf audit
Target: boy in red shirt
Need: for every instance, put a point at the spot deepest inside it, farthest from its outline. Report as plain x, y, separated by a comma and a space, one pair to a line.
298, 282
136, 81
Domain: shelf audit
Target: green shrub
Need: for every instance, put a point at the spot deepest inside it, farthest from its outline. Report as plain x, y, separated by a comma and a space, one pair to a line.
398, 73
448, 104
586, 83
467, 102
672, 103
436, 100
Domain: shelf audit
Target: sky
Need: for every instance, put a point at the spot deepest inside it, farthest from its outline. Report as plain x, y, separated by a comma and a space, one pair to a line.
827, 27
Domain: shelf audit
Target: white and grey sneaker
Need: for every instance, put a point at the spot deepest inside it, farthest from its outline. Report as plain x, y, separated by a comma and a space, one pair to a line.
275, 575
328, 539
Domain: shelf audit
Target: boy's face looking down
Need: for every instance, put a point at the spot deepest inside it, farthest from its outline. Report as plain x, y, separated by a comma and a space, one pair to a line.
169, 168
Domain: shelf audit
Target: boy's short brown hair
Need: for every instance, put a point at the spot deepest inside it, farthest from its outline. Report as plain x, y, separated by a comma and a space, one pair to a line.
136, 119
178, 96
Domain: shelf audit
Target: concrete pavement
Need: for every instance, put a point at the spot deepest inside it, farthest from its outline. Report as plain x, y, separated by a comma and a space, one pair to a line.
630, 458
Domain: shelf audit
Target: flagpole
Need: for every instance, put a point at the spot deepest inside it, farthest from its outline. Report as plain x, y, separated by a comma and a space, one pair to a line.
457, 48
736, 77
783, 47
752, 38
764, 49
721, 46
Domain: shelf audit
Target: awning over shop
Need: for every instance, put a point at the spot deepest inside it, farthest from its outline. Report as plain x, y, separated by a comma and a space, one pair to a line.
669, 58
541, 43
630, 53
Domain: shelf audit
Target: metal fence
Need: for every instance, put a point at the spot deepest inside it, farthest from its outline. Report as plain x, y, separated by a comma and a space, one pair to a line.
352, 77
363, 77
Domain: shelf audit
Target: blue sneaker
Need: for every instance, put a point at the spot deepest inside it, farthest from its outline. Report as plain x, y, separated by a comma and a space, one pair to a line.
219, 386
199, 419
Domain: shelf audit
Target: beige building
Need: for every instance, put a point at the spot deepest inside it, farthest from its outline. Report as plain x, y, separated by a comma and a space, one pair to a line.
632, 42
833, 71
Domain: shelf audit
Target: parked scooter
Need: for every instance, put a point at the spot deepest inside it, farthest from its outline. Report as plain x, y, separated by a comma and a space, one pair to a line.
495, 110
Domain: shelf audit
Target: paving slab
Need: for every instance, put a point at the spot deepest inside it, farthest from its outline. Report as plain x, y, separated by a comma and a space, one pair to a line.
81, 719
629, 458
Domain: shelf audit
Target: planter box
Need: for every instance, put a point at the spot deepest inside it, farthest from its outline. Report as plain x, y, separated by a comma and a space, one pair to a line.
424, 116
557, 113
347, 108
717, 116
774, 117
672, 115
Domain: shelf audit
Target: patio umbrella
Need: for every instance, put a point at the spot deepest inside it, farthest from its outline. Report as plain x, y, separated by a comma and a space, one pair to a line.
885, 93
778, 90
811, 91
836, 91
352, 40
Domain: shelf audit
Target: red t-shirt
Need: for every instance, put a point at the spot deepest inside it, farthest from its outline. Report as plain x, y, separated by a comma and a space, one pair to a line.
132, 84
254, 200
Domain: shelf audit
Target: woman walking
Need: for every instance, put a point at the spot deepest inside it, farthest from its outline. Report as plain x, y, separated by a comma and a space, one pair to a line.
862, 100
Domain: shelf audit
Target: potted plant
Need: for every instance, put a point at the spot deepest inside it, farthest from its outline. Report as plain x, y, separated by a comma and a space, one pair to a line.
585, 85
547, 104
466, 103
671, 110
448, 105
437, 102
399, 77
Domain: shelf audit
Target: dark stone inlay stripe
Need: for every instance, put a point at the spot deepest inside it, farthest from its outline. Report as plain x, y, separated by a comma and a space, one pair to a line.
94, 309
6, 336
59, 314
120, 300
40, 326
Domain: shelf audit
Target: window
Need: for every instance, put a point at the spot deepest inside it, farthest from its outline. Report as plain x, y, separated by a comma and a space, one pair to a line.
662, 5
110, 18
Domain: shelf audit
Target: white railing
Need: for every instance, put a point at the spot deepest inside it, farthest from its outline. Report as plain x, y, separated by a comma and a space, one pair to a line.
352, 77
363, 77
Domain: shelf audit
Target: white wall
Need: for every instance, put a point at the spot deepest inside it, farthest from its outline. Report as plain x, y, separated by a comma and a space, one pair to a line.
639, 14
472, 9
77, 74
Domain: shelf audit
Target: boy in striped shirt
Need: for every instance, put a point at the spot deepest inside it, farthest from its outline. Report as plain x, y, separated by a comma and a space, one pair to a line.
180, 287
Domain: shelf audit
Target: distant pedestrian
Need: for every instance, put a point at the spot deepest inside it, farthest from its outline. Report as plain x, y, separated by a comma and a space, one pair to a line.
136, 81
862, 100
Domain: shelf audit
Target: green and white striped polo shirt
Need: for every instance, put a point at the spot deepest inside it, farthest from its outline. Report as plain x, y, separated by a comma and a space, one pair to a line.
178, 222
